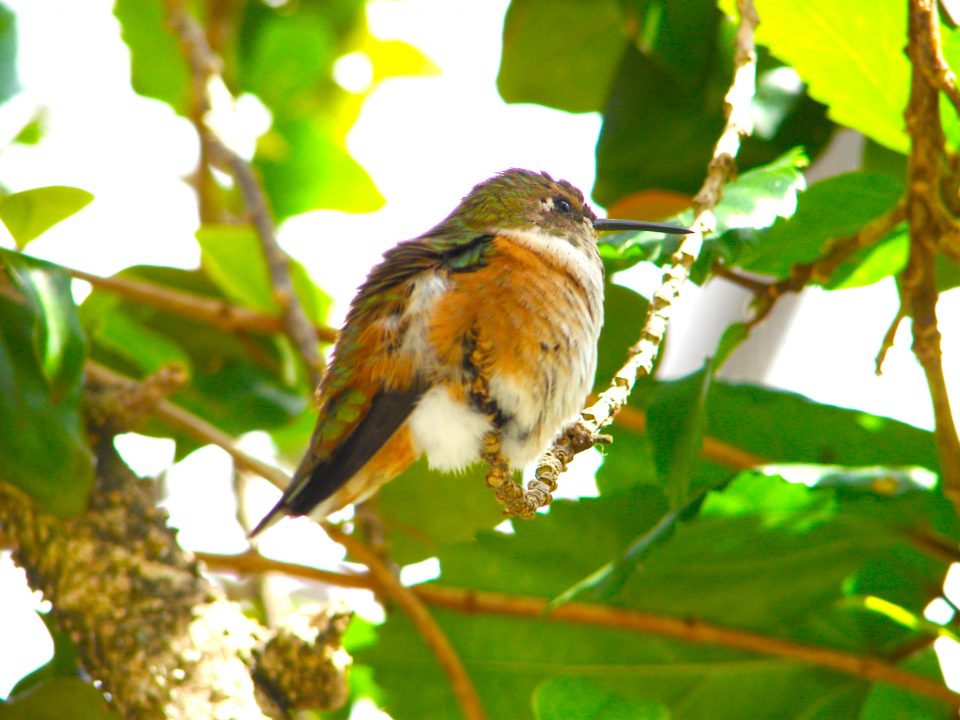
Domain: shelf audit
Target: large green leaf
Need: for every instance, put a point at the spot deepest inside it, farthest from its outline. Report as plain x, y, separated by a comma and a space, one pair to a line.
424, 510
31, 213
565, 698
42, 351
832, 208
851, 57
788, 548
9, 84
665, 111
583, 41
286, 58
305, 166
158, 68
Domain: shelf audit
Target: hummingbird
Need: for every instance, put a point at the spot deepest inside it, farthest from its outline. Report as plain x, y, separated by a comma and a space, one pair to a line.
487, 323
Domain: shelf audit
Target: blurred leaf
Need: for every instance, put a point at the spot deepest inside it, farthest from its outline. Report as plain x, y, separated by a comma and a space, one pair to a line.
239, 382
157, 66
286, 57
656, 132
833, 208
675, 422
582, 699
56, 699
233, 259
583, 40
9, 46
649, 205
852, 59
886, 258
395, 58
305, 166
425, 510
731, 339
31, 213
42, 351
886, 702
947, 273
662, 120
232, 256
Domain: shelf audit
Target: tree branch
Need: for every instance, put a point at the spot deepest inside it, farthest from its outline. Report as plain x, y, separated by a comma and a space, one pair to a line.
431, 632
204, 66
642, 355
203, 431
690, 630
217, 313
929, 222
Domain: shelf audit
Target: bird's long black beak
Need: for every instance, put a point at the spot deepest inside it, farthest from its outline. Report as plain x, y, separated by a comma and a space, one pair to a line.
607, 224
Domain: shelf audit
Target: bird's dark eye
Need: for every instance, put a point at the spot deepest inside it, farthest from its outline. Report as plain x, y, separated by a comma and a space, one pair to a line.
562, 204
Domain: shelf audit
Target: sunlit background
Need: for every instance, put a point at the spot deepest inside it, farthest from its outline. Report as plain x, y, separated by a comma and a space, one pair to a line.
424, 141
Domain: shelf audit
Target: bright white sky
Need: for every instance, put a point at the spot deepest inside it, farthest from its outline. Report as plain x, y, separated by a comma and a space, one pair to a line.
425, 142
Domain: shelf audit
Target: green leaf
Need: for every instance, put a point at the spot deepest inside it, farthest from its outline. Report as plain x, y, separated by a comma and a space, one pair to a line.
788, 548
675, 422
583, 41
425, 510
158, 68
754, 200
305, 165
870, 265
42, 351
887, 702
786, 427
232, 256
56, 699
660, 123
852, 59
238, 382
31, 213
581, 699
9, 83
833, 208
731, 339
759, 197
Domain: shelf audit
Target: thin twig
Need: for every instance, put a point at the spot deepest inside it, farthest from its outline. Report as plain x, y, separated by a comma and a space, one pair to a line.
690, 630
929, 222
218, 313
197, 428
888, 339
642, 355
204, 66
820, 270
432, 633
